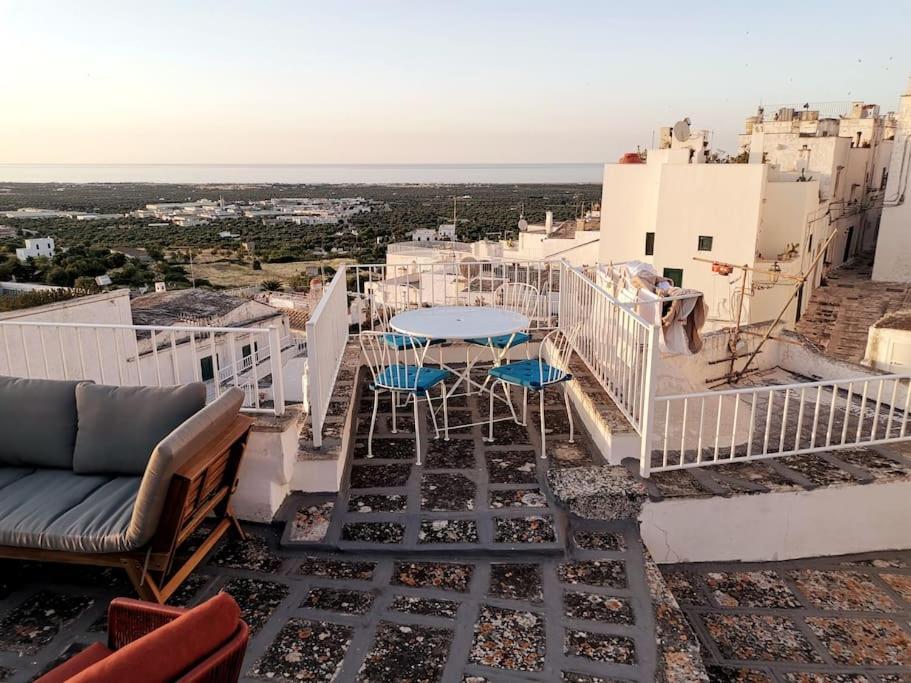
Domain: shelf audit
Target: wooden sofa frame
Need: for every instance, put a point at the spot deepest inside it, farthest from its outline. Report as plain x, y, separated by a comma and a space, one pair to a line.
202, 486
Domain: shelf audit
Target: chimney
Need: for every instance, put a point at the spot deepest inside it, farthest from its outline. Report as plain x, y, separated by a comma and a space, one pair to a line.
548, 222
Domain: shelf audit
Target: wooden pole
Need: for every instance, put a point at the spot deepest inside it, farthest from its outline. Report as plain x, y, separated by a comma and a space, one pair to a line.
793, 296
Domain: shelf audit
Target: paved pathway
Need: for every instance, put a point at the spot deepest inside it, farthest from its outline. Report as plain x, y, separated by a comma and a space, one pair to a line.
834, 620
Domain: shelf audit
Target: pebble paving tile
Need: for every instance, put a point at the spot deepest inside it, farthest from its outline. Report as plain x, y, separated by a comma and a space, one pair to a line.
430, 607
818, 620
609, 573
842, 590
377, 503
600, 647
379, 476
760, 637
900, 583
876, 642
373, 532
599, 540
337, 569
532, 529
305, 650
508, 639
388, 449
455, 454
447, 492
339, 600
511, 467
595, 607
35, 622
257, 599
406, 653
516, 582
448, 531
750, 589
518, 498
440, 575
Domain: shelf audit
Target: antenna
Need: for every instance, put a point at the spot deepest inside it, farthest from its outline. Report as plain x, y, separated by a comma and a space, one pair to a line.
682, 130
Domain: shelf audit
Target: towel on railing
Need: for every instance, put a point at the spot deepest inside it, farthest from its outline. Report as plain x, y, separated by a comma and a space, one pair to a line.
684, 320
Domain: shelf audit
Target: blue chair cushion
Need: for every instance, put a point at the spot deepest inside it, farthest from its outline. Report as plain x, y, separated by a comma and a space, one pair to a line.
403, 341
503, 341
410, 378
528, 373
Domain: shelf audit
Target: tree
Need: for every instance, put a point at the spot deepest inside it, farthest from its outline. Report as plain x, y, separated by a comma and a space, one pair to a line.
271, 285
86, 284
257, 265
58, 277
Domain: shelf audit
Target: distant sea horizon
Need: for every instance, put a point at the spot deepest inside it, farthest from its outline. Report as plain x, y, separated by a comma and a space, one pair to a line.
317, 174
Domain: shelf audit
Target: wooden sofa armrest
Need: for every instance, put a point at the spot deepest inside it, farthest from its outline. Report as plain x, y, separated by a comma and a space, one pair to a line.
129, 620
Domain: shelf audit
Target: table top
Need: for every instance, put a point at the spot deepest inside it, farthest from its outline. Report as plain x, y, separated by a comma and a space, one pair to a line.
459, 322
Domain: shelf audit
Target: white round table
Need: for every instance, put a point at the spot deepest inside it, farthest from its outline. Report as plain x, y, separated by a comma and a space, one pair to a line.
459, 322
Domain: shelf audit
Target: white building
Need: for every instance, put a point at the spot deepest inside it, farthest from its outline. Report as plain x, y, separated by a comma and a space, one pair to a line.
893, 246
424, 235
41, 246
807, 178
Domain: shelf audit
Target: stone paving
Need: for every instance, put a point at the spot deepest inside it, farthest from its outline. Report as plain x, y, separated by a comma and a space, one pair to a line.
367, 586
820, 620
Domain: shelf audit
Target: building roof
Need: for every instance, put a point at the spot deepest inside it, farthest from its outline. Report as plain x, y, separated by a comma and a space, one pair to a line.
181, 306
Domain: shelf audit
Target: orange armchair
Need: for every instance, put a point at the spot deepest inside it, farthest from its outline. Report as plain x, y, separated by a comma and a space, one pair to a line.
150, 643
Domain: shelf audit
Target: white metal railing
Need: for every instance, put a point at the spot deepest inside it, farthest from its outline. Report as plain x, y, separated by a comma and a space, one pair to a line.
738, 425
617, 345
291, 345
467, 283
148, 355
327, 336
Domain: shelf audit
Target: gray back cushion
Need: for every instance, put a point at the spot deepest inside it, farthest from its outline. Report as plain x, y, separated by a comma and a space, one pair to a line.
174, 450
119, 427
37, 422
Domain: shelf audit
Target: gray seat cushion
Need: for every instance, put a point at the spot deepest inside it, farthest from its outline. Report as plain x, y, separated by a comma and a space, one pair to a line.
59, 510
38, 422
119, 427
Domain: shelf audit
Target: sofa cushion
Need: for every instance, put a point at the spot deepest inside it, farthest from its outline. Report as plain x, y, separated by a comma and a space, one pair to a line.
171, 453
38, 422
170, 650
59, 510
119, 427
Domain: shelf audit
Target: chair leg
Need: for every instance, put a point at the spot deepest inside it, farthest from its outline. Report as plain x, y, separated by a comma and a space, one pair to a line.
433, 417
508, 394
490, 415
445, 414
569, 413
376, 402
525, 406
543, 438
417, 434
395, 400
468, 371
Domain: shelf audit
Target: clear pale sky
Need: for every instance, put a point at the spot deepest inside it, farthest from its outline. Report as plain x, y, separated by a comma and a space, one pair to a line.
378, 81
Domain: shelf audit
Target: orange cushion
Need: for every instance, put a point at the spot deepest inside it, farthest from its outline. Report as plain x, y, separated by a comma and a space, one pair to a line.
169, 651
78, 662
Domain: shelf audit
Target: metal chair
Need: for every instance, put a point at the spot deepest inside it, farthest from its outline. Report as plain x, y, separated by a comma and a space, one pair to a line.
383, 311
536, 375
399, 369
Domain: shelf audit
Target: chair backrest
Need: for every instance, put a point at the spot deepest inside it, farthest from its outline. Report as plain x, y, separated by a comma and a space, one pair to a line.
519, 297
389, 362
558, 345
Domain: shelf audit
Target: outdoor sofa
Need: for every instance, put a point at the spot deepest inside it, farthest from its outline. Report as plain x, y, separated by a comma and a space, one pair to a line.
117, 476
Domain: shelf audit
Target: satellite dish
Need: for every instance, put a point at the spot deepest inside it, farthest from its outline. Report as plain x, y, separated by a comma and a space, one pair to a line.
682, 130
523, 225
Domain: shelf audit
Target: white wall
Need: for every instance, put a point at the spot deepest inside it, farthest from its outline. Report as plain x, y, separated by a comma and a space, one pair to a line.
894, 244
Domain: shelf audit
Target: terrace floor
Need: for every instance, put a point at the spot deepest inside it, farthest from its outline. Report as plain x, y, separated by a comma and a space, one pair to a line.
467, 570
842, 619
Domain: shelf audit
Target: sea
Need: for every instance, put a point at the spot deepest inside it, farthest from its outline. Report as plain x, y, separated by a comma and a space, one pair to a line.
337, 174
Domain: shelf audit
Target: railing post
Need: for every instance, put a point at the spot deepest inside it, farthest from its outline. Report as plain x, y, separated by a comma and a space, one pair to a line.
278, 380
648, 402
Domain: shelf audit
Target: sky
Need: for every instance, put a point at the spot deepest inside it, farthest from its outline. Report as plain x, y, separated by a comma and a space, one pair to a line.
385, 81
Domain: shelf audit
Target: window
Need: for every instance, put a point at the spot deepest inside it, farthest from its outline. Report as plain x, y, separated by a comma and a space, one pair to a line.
675, 275
207, 368
649, 243
705, 243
